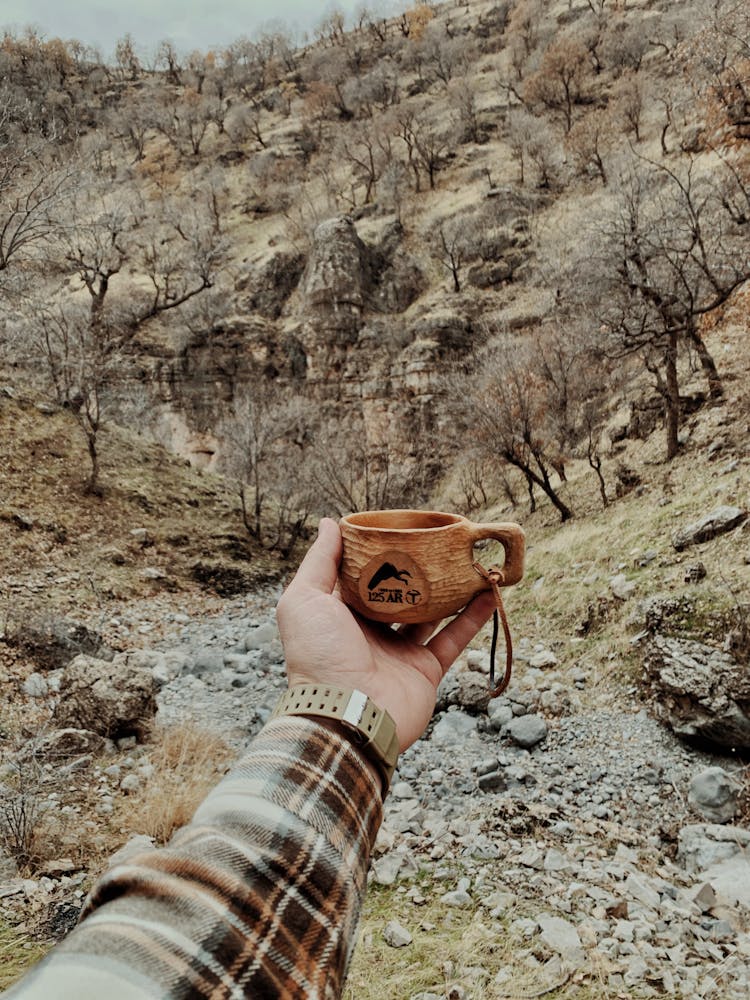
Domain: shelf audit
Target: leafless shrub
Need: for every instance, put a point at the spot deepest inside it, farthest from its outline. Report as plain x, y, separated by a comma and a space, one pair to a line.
23, 808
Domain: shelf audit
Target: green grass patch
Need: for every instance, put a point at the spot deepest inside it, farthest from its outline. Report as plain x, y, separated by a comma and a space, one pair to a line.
17, 954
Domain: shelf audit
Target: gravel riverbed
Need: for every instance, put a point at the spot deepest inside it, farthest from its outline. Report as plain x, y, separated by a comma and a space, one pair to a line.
565, 818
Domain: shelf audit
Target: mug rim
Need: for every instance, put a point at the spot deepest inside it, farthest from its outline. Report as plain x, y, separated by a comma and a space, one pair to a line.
353, 521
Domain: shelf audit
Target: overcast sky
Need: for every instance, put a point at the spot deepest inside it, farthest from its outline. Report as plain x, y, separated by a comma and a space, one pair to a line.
190, 24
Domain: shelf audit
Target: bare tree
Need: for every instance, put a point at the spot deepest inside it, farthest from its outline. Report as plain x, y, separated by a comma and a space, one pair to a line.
178, 258
544, 154
167, 58
464, 100
720, 57
562, 80
250, 433
673, 254
523, 28
184, 119
588, 141
127, 61
451, 248
32, 189
327, 73
331, 27
81, 354
509, 408
522, 131
265, 442
427, 143
443, 56
368, 148
353, 472
628, 107
82, 345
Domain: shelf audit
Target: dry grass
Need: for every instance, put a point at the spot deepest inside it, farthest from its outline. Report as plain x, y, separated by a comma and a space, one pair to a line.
188, 762
466, 948
569, 566
76, 552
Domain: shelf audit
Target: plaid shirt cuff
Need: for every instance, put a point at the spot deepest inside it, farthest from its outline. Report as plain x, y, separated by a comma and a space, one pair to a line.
259, 895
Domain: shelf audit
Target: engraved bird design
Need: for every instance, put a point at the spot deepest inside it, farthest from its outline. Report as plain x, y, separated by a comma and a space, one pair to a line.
388, 572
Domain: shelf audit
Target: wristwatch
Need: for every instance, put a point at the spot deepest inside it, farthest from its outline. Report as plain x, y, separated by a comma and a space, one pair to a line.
371, 728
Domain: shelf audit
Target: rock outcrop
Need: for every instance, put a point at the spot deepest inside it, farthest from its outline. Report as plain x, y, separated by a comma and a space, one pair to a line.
336, 279
700, 692
718, 522
113, 700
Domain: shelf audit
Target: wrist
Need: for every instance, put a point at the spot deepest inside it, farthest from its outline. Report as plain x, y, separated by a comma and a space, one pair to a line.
368, 728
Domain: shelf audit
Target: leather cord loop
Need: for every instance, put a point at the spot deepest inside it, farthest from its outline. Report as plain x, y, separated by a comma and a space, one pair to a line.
496, 579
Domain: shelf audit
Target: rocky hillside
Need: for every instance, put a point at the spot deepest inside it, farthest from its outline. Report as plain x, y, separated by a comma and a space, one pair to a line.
250, 246
489, 257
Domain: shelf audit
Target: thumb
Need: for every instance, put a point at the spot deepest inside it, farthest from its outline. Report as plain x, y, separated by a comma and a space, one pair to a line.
320, 568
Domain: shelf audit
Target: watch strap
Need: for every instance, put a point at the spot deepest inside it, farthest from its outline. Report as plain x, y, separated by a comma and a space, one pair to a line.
373, 728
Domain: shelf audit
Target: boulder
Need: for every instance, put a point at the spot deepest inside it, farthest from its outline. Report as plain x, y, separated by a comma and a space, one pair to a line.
260, 636
714, 794
57, 642
36, 686
561, 936
699, 691
336, 278
500, 713
730, 880
472, 691
113, 700
542, 659
62, 744
396, 935
527, 730
703, 845
718, 522
454, 728
621, 587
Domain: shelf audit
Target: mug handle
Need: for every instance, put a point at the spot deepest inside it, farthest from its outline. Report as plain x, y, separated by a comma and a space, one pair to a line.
513, 540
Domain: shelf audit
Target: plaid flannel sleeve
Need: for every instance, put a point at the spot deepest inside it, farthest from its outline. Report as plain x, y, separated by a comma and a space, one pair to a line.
259, 896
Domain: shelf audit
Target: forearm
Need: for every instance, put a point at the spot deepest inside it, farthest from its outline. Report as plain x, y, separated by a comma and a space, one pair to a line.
260, 894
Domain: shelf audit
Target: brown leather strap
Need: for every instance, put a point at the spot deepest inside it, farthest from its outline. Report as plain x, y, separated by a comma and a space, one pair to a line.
496, 579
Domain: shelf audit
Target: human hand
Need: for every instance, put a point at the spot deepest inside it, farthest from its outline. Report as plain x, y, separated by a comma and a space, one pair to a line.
326, 643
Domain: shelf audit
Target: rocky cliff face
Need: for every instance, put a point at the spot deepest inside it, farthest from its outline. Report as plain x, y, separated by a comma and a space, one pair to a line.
345, 330
358, 325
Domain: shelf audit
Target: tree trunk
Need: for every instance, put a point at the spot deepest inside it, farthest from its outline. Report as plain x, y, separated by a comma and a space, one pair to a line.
92, 485
596, 464
663, 138
532, 498
258, 511
672, 397
715, 384
456, 279
533, 479
245, 515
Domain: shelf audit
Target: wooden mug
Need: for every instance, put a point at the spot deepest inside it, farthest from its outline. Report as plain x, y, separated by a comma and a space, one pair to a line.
418, 566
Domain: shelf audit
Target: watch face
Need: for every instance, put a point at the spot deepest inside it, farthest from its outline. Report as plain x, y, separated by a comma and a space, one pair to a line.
392, 580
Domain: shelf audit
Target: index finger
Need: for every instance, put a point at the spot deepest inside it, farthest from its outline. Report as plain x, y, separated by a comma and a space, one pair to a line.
456, 635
